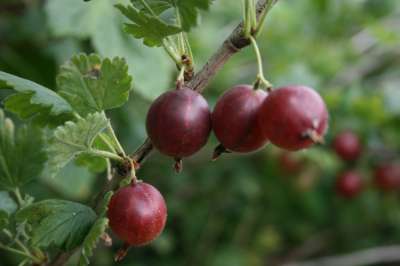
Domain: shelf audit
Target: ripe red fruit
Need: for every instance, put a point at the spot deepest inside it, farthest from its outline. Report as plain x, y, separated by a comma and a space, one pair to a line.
387, 176
234, 119
294, 117
179, 122
347, 146
137, 214
349, 184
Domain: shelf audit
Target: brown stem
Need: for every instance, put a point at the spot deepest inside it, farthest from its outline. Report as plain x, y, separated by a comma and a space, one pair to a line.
233, 44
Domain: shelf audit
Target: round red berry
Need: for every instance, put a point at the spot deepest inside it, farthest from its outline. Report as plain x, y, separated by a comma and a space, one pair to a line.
347, 146
294, 117
387, 176
179, 122
349, 184
137, 213
234, 119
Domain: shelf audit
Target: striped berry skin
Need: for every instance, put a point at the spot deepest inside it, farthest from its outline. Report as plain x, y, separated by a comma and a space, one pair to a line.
234, 119
179, 123
137, 213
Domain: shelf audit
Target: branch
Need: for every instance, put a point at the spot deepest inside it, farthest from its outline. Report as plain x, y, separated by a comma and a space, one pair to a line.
233, 44
372, 256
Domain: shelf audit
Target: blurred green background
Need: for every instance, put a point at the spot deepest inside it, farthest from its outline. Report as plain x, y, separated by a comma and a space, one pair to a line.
242, 209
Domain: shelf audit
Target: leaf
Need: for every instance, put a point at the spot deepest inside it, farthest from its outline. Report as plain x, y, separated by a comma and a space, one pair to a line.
7, 207
189, 11
96, 231
22, 153
158, 6
91, 84
74, 18
34, 101
72, 139
91, 240
59, 222
106, 200
93, 163
147, 27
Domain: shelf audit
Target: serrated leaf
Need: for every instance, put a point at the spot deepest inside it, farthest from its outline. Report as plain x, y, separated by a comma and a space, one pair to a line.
74, 18
158, 6
22, 154
147, 27
93, 163
34, 101
104, 205
91, 240
91, 84
59, 222
189, 11
72, 139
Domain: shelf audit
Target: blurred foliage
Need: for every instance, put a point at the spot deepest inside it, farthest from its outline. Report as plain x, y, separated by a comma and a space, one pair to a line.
242, 209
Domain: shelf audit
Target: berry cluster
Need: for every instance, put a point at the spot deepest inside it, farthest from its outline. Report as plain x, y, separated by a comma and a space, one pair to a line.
244, 119
349, 183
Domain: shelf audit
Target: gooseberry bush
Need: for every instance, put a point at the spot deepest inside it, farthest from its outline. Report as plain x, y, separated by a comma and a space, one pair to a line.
70, 123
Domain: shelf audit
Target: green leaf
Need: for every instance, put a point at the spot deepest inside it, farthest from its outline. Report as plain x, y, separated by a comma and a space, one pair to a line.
158, 6
91, 84
91, 240
74, 18
106, 200
22, 153
34, 101
59, 222
72, 139
96, 231
147, 27
93, 163
189, 11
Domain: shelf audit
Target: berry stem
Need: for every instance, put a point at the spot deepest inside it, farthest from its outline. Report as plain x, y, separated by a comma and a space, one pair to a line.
260, 76
180, 80
18, 195
246, 19
106, 154
262, 17
165, 43
171, 53
107, 142
120, 150
253, 18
